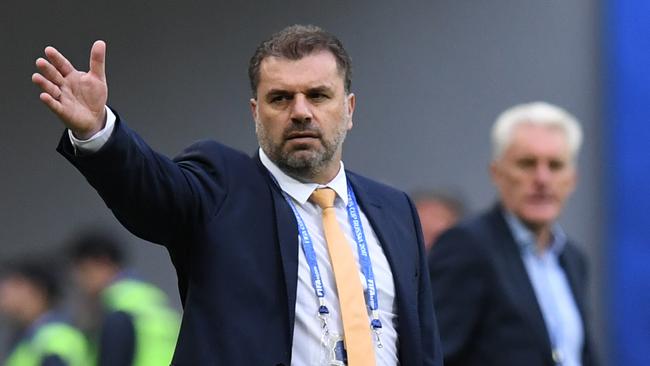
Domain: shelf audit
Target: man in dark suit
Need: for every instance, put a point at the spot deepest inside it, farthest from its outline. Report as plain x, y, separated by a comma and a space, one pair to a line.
510, 287
246, 236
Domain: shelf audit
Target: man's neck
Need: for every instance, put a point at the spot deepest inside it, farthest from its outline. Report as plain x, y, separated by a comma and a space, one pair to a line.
321, 177
542, 235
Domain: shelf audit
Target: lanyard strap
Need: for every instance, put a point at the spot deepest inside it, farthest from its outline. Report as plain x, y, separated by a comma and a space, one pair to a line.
310, 255
364, 257
362, 248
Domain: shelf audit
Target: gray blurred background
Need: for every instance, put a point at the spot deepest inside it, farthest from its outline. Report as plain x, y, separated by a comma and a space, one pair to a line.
430, 78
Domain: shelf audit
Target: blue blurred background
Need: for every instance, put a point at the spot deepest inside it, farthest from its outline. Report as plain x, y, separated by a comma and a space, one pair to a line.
430, 78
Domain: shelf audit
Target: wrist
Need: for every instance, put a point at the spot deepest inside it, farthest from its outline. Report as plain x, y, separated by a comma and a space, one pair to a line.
86, 134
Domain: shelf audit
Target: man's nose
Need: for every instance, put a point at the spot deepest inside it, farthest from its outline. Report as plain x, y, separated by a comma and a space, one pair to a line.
301, 109
542, 173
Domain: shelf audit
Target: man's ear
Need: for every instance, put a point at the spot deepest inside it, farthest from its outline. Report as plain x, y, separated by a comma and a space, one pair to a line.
574, 179
253, 105
494, 172
350, 104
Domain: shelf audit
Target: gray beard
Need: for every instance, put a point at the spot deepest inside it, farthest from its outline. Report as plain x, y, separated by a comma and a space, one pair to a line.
303, 165
303, 168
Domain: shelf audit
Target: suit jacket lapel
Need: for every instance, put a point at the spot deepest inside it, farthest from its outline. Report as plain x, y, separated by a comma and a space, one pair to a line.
572, 266
402, 265
524, 294
571, 269
287, 242
383, 225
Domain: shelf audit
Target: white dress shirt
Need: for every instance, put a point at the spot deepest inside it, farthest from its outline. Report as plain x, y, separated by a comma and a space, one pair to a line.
307, 348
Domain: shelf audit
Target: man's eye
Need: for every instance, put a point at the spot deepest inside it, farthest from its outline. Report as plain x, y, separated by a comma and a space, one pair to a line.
526, 163
280, 98
318, 96
556, 165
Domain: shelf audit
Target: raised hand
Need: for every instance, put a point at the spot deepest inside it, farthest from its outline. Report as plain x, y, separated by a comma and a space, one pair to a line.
78, 98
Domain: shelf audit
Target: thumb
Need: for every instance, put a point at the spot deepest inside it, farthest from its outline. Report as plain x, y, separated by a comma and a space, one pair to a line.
98, 60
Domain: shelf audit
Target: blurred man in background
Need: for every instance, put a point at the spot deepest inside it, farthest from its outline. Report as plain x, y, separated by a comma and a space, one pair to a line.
28, 294
138, 328
509, 285
438, 212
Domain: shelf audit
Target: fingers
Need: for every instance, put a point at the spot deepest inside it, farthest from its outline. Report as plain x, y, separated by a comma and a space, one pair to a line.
98, 60
53, 104
59, 61
47, 86
49, 71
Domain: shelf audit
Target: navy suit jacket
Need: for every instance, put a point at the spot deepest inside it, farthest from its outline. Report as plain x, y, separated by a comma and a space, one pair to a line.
485, 303
233, 241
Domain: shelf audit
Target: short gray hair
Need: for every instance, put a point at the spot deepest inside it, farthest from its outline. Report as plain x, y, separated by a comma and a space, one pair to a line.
536, 113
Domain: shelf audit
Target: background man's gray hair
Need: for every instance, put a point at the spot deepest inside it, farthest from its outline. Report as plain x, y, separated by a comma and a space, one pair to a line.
295, 42
536, 113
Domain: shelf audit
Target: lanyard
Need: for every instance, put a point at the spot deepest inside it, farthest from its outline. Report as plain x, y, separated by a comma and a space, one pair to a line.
364, 257
310, 255
364, 260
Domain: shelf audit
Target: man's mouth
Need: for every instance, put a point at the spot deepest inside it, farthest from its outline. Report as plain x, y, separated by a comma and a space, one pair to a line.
302, 136
540, 198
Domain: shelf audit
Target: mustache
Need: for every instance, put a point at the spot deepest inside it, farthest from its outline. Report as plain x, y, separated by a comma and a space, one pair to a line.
301, 130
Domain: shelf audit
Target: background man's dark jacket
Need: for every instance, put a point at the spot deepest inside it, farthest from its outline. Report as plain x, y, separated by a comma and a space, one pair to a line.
486, 307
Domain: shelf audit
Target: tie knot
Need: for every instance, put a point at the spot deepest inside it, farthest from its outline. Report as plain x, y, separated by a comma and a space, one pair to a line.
323, 197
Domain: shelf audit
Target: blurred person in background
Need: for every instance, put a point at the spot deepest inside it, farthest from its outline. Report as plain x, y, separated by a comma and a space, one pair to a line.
28, 295
510, 287
138, 326
438, 212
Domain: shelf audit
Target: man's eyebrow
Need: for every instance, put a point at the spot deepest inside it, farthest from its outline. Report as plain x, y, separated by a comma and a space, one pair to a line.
319, 89
316, 89
278, 92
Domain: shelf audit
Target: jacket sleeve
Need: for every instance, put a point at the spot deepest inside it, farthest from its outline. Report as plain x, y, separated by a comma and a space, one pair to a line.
155, 197
458, 276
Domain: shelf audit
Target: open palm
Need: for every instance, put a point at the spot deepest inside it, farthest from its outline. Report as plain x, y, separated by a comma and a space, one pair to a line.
78, 98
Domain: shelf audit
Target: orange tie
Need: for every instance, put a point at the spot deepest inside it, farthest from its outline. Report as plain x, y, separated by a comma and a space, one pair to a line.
356, 324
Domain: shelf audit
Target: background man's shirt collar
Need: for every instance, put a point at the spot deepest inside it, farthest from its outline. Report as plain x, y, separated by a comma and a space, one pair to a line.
525, 238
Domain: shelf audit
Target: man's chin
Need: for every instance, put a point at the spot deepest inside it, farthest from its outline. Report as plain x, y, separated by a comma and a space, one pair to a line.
301, 158
540, 217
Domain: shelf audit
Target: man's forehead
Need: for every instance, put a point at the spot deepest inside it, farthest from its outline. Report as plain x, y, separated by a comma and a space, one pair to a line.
537, 140
529, 134
315, 69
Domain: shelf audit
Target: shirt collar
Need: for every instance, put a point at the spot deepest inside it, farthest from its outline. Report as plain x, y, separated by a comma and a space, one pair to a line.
525, 238
300, 191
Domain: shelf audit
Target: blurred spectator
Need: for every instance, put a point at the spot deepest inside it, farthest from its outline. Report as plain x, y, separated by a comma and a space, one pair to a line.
509, 285
138, 326
28, 294
438, 212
